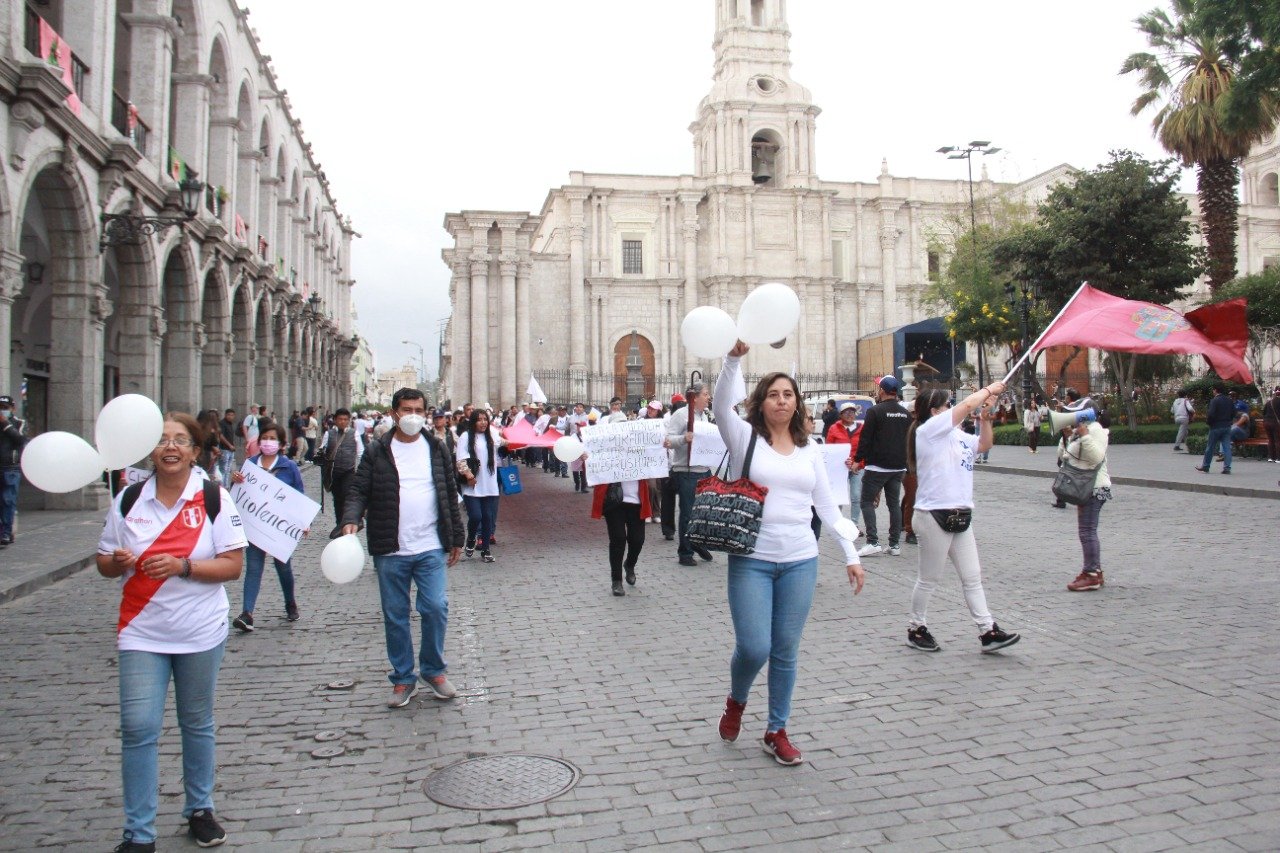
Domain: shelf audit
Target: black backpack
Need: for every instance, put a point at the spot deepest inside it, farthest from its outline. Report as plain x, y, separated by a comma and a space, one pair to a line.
212, 498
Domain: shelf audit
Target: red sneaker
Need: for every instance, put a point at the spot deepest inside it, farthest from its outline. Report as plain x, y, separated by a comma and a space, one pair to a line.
731, 719
1086, 582
777, 745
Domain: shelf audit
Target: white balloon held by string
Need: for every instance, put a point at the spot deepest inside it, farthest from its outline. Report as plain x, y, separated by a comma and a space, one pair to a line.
708, 332
343, 559
60, 462
127, 430
768, 314
567, 448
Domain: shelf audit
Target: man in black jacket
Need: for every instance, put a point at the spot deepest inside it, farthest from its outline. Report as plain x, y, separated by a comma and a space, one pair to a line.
883, 449
406, 482
1219, 417
11, 443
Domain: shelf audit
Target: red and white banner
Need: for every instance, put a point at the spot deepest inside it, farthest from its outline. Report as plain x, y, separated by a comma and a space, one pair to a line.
1102, 321
57, 54
520, 434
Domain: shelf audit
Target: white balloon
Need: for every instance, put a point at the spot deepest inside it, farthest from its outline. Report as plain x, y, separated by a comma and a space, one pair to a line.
846, 529
567, 448
708, 332
768, 314
343, 559
60, 462
127, 430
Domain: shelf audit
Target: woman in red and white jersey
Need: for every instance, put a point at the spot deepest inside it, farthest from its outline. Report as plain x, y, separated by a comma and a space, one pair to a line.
173, 541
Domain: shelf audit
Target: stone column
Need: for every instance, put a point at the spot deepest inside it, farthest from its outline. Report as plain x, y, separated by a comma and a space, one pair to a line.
507, 363
689, 230
524, 364
460, 347
217, 372
140, 331
889, 266
577, 283
190, 133
749, 224
479, 354
12, 280
593, 335
183, 368
151, 58
79, 315
222, 162
248, 176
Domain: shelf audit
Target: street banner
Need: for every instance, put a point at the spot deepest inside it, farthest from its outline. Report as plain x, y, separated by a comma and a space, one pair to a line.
708, 448
835, 455
627, 450
520, 434
274, 514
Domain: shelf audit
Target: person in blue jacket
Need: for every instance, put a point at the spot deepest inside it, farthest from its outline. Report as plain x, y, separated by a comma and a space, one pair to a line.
1219, 417
271, 439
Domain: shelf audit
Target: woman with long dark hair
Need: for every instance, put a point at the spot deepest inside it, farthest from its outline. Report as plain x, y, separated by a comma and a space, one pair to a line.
943, 456
478, 466
771, 590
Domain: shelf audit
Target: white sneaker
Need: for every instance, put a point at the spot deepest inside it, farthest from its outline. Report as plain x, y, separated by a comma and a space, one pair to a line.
870, 551
895, 551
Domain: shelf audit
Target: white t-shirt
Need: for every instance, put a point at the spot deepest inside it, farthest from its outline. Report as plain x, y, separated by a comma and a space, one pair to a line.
179, 616
797, 484
944, 464
250, 429
486, 482
419, 512
631, 491
362, 426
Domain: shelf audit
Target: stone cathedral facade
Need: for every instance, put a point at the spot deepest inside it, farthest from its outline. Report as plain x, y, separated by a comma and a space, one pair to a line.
604, 273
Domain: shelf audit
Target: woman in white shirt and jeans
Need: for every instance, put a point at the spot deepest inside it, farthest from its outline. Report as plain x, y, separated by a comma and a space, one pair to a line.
770, 590
943, 456
477, 462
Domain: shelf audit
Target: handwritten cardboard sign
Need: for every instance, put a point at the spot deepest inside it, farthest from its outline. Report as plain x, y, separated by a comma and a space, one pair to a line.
708, 448
628, 450
275, 514
835, 455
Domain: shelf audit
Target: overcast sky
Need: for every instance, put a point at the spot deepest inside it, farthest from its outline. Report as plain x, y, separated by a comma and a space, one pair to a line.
421, 107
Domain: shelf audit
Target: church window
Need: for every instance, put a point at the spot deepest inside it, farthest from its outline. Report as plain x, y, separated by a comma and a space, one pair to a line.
764, 157
935, 266
1270, 190
632, 257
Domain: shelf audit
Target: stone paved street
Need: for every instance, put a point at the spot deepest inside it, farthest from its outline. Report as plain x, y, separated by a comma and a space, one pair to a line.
1143, 717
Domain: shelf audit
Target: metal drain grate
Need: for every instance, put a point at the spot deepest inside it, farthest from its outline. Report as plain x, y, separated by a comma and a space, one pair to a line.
501, 781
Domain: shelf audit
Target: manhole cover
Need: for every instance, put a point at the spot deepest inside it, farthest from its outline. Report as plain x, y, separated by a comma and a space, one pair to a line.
323, 737
341, 684
328, 751
501, 781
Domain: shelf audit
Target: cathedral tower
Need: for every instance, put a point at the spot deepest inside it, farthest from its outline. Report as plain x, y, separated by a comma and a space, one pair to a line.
757, 124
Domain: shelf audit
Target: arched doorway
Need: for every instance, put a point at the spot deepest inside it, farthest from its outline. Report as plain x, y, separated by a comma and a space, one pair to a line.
633, 360
216, 391
180, 367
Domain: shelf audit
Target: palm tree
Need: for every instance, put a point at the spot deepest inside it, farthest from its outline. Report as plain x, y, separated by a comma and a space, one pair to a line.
1192, 74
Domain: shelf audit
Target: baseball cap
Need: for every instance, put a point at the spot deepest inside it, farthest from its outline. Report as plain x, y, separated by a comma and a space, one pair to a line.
6, 399
677, 398
846, 406
889, 384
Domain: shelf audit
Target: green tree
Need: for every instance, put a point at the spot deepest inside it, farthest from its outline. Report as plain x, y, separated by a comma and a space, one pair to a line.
1250, 31
1262, 291
1192, 74
1123, 228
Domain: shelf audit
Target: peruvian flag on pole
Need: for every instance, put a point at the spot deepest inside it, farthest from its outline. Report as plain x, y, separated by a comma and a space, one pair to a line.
1099, 320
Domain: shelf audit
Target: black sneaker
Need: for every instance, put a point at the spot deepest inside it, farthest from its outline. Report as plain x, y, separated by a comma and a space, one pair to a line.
486, 557
469, 551
920, 638
244, 622
617, 589
912, 540
703, 553
291, 612
687, 561
131, 846
204, 829
630, 575
995, 639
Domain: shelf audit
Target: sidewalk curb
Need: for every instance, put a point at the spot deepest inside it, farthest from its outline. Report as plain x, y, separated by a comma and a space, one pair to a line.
1203, 488
31, 584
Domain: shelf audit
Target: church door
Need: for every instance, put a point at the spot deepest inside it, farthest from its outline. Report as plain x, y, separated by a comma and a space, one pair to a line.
634, 369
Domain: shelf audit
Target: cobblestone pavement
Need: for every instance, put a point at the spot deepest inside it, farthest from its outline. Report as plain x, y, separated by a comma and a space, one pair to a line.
1143, 717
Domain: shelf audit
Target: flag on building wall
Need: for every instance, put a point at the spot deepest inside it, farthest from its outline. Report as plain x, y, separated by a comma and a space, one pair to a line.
57, 53
1102, 321
177, 168
242, 230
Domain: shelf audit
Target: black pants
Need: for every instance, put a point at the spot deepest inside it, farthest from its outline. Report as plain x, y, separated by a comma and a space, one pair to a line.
872, 484
626, 533
667, 512
339, 491
1033, 438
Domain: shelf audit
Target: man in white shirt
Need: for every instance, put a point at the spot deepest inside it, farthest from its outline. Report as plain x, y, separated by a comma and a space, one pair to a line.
406, 482
684, 475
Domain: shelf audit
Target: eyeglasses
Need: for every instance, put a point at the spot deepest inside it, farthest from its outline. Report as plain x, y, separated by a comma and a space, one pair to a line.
180, 441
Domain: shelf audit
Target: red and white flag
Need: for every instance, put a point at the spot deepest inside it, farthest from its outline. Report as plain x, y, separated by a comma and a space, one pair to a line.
1102, 321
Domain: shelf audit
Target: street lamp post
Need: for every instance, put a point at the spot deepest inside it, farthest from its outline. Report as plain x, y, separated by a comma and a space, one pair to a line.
966, 152
422, 361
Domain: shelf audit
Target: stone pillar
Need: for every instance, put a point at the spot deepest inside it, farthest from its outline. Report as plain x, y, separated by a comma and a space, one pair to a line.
593, 335
141, 327
222, 162
260, 365
889, 270
183, 369
217, 372
689, 201
151, 58
248, 176
479, 355
79, 315
12, 280
524, 363
577, 285
190, 133
507, 365
749, 223
460, 347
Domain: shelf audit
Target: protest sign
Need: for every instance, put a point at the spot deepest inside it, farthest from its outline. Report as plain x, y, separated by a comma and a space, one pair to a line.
834, 456
133, 475
628, 450
274, 514
708, 448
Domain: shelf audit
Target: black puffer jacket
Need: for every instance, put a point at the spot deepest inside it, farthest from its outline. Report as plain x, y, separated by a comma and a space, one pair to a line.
375, 487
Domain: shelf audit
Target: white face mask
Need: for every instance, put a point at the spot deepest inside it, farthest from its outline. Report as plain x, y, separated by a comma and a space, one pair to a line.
412, 424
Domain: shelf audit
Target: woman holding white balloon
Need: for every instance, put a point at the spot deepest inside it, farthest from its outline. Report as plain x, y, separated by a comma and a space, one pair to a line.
771, 590
476, 455
172, 552
271, 439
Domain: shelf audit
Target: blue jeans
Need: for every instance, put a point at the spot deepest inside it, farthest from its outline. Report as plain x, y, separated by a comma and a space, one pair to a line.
1218, 436
482, 516
1087, 527
225, 458
254, 559
855, 494
10, 479
769, 603
427, 571
144, 684
686, 482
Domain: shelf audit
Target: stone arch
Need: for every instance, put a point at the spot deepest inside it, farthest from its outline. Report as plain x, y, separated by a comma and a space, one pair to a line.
243, 384
58, 321
246, 175
767, 159
180, 365
647, 362
215, 316
1270, 190
221, 138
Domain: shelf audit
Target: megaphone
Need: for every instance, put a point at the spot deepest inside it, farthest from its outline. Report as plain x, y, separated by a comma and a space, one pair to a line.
1058, 421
